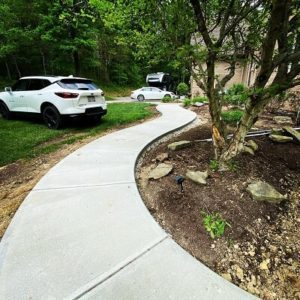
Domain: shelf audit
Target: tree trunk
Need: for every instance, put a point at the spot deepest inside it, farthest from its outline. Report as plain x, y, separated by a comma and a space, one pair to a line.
8, 71
43, 62
215, 108
254, 107
76, 62
17, 67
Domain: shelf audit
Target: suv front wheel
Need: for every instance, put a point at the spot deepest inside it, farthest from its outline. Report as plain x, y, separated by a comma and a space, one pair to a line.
52, 117
4, 111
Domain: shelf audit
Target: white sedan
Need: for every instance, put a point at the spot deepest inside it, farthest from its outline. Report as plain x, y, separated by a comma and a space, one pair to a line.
151, 93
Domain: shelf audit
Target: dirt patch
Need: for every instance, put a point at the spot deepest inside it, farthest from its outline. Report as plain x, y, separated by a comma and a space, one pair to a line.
260, 252
18, 179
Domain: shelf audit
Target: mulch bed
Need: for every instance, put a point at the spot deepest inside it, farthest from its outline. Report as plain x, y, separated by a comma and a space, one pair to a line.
260, 252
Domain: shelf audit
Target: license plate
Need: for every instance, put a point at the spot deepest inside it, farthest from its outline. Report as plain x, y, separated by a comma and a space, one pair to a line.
91, 99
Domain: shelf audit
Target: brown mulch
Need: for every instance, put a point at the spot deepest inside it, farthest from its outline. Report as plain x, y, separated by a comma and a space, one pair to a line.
260, 251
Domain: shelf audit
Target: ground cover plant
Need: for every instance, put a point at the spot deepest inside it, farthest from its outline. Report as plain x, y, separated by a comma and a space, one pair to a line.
30, 138
232, 117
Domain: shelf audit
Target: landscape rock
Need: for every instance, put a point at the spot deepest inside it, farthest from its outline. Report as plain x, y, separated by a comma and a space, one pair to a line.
179, 145
264, 264
280, 138
162, 157
277, 131
252, 145
262, 191
281, 120
197, 176
239, 272
160, 171
248, 150
227, 276
294, 133
198, 104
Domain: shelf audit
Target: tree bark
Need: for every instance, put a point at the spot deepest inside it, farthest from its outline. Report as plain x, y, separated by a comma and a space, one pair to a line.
17, 67
44, 63
215, 108
8, 70
76, 62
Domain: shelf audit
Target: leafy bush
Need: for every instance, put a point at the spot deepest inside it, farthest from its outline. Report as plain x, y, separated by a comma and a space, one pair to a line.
232, 117
201, 99
187, 102
214, 224
214, 165
236, 95
182, 89
166, 99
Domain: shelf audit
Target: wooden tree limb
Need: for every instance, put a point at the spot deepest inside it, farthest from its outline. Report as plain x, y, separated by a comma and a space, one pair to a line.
201, 22
241, 16
226, 17
274, 27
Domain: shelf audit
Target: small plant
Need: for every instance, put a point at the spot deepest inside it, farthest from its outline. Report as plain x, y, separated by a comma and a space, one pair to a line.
201, 99
166, 99
232, 117
214, 165
237, 94
187, 102
182, 89
214, 224
232, 166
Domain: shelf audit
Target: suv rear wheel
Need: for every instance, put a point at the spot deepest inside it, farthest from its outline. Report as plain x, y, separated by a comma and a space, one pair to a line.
52, 117
4, 111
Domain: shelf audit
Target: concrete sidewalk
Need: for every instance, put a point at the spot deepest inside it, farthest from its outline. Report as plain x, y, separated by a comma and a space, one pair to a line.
84, 232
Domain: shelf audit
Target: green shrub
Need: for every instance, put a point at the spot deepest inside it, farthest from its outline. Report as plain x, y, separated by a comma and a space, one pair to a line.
214, 165
214, 224
237, 94
187, 102
232, 117
166, 99
201, 99
182, 89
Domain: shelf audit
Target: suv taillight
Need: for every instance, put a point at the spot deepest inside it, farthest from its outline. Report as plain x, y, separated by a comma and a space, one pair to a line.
67, 95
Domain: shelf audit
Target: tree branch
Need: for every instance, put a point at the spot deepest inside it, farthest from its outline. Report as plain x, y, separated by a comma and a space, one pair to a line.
241, 16
275, 22
201, 23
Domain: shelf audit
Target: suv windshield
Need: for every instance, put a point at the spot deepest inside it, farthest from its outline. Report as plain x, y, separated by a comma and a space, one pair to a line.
77, 84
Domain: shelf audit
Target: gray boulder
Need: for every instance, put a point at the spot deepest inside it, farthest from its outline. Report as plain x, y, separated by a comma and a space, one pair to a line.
162, 157
179, 145
160, 171
197, 176
248, 150
281, 120
262, 191
294, 133
280, 138
252, 145
277, 131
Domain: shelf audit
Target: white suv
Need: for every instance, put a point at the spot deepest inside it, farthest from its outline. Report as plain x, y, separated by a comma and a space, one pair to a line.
54, 97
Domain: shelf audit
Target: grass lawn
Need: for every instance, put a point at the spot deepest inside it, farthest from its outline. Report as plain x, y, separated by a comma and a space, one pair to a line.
30, 138
113, 91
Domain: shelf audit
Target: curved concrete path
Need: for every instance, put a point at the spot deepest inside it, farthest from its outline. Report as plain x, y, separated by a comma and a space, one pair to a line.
84, 232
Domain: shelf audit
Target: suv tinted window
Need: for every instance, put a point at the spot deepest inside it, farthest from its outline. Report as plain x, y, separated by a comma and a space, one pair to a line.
77, 84
20, 85
37, 84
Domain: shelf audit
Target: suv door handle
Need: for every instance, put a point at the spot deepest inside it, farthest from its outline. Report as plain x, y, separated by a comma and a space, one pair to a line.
21, 96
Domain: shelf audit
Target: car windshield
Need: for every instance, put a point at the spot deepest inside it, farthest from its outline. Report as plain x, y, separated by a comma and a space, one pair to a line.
77, 84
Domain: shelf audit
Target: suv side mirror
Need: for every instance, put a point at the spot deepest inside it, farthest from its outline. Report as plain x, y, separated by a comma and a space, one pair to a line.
8, 89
